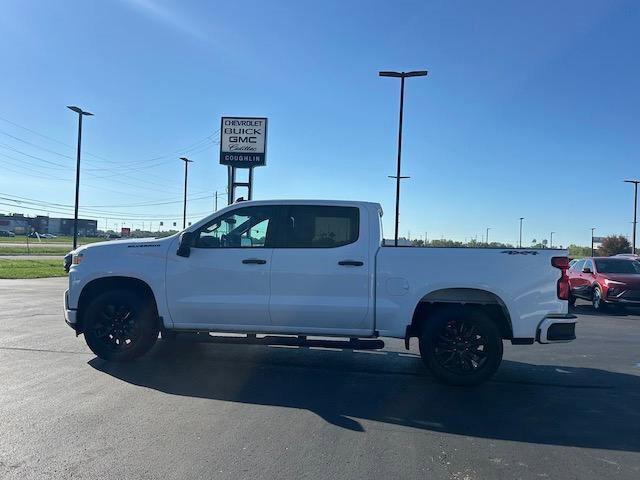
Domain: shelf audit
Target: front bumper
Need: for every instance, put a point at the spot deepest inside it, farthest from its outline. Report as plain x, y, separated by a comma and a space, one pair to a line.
621, 301
559, 328
69, 314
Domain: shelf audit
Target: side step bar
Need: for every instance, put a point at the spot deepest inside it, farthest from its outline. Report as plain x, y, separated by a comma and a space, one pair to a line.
299, 341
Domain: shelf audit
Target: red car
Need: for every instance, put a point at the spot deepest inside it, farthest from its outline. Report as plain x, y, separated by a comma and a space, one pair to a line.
605, 281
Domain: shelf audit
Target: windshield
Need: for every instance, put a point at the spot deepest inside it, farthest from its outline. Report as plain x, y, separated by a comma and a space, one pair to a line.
618, 266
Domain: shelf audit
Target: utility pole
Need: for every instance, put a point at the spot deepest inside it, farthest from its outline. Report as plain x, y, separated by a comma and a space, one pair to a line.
81, 113
520, 241
398, 177
488, 228
592, 249
551, 240
184, 210
635, 211
215, 201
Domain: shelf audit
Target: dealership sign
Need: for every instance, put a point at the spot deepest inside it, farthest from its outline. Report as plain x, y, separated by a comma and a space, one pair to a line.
243, 141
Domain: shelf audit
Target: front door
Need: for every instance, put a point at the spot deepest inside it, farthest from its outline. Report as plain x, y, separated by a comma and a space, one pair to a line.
320, 272
224, 283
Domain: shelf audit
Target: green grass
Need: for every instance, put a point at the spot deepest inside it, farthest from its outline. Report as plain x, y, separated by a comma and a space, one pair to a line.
31, 268
46, 250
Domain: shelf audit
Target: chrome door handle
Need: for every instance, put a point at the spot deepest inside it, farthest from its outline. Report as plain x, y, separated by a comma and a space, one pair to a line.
257, 261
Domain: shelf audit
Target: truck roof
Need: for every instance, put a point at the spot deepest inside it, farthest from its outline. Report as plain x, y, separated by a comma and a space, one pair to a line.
310, 202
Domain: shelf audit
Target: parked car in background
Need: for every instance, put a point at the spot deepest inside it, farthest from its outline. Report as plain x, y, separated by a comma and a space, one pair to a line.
632, 256
605, 281
6, 233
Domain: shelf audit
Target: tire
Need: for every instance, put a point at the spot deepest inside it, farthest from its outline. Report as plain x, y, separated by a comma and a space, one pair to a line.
120, 325
461, 346
596, 300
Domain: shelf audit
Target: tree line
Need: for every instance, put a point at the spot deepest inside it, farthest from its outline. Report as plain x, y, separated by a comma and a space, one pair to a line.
611, 245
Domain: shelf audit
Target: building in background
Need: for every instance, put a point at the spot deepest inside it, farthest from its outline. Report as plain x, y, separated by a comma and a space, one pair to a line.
64, 226
15, 222
20, 224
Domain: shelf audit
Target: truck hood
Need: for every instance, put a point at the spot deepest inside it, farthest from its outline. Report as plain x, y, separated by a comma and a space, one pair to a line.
133, 244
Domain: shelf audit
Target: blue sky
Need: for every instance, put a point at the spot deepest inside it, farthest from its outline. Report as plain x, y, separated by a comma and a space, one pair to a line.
530, 108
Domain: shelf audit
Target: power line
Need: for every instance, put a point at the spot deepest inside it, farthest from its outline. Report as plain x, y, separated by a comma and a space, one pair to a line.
47, 205
198, 215
167, 155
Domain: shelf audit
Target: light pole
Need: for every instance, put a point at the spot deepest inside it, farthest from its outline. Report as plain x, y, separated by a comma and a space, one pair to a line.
80, 113
520, 241
551, 240
184, 210
488, 228
592, 250
635, 210
398, 177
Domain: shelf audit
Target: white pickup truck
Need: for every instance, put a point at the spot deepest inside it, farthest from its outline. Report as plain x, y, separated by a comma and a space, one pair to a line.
300, 268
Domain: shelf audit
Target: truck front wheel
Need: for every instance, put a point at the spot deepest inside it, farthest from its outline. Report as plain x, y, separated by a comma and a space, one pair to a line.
120, 325
461, 346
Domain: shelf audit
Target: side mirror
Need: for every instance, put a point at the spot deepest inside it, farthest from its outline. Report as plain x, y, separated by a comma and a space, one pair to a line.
586, 270
184, 246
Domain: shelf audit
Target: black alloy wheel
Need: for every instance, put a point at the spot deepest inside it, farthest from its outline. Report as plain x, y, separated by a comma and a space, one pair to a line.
120, 325
461, 345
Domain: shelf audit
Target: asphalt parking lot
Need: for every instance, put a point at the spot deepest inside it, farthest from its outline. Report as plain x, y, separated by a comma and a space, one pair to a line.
257, 412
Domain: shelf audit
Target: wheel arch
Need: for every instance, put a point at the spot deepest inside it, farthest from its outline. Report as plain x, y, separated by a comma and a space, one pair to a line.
104, 284
475, 298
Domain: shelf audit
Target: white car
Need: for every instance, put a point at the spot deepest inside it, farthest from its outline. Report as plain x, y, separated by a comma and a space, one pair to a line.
300, 268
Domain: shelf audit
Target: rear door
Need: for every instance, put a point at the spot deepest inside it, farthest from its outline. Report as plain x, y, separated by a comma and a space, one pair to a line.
320, 271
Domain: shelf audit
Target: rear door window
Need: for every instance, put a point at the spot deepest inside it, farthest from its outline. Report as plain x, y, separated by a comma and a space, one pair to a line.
316, 226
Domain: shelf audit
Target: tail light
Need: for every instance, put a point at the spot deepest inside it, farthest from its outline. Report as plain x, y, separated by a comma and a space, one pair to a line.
562, 286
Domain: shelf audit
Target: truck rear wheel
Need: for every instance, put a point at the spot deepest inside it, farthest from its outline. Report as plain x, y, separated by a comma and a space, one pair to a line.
120, 325
461, 346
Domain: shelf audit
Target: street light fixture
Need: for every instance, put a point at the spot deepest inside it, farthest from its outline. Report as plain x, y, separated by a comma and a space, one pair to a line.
184, 210
635, 210
81, 113
398, 177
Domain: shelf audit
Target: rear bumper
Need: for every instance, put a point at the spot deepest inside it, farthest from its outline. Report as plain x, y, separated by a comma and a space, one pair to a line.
557, 329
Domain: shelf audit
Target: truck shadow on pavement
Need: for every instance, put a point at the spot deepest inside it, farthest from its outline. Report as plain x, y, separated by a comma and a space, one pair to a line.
554, 405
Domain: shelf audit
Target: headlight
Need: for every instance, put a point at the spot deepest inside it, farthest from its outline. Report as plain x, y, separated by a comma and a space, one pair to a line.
66, 263
77, 258
613, 283
614, 291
